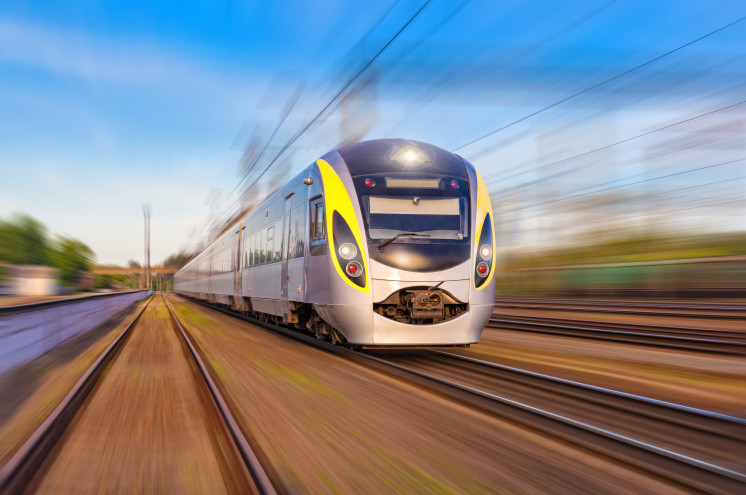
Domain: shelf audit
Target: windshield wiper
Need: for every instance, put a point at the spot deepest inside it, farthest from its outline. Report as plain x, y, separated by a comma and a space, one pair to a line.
401, 234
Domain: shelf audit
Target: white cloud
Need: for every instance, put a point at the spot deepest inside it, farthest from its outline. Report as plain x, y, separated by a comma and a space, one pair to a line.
100, 59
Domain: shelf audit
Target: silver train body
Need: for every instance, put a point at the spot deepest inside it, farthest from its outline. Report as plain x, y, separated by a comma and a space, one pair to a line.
381, 243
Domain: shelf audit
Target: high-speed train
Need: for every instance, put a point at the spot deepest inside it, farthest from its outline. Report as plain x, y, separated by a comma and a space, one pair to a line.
381, 243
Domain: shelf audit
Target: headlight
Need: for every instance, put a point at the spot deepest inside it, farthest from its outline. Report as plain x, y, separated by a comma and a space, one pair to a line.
347, 251
485, 251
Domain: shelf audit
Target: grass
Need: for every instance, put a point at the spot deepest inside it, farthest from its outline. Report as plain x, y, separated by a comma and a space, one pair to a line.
304, 383
193, 316
350, 463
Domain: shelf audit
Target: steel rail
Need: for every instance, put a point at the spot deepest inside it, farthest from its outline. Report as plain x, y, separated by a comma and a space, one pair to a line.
675, 331
701, 419
738, 306
720, 311
20, 469
258, 474
675, 466
629, 333
679, 468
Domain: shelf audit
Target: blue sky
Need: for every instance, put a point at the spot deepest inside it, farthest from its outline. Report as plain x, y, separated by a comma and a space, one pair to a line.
106, 105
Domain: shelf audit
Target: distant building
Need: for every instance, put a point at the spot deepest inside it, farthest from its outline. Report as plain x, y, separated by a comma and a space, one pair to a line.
85, 282
27, 281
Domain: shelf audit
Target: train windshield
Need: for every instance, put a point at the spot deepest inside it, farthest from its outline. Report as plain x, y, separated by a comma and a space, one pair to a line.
436, 218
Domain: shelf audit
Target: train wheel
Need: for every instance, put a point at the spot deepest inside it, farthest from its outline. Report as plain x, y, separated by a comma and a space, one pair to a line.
318, 330
338, 338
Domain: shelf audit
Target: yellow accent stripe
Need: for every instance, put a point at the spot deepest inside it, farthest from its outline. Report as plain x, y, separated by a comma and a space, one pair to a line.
484, 206
337, 198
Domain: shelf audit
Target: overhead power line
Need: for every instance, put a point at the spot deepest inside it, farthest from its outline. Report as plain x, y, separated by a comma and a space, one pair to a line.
622, 186
321, 112
624, 199
590, 88
611, 145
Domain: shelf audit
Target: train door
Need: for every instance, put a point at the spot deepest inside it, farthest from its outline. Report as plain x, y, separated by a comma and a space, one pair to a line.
284, 276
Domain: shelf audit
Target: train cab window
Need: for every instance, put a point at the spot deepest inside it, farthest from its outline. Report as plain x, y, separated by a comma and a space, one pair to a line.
435, 218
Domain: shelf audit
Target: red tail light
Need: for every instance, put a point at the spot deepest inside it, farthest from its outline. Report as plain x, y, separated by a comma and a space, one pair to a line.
482, 269
354, 269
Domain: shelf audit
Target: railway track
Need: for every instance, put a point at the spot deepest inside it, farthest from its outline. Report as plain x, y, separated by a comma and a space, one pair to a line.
682, 310
261, 481
661, 438
699, 449
698, 339
76, 414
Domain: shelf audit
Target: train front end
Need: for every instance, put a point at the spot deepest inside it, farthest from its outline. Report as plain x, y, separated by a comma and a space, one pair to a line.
413, 248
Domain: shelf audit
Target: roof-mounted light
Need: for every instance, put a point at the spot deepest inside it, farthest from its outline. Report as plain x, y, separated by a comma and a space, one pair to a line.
410, 155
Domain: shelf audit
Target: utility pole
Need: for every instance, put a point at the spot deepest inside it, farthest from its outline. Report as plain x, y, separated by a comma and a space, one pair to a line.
146, 215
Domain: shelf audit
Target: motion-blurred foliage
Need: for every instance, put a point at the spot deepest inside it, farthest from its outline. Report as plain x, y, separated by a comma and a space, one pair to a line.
618, 247
72, 258
24, 241
179, 259
615, 265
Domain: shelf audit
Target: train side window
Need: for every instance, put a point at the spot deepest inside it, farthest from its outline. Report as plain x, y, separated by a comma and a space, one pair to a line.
316, 228
234, 246
270, 244
252, 250
278, 241
262, 245
298, 235
247, 251
246, 247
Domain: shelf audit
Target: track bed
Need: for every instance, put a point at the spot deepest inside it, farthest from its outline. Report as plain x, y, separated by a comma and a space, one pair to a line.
149, 425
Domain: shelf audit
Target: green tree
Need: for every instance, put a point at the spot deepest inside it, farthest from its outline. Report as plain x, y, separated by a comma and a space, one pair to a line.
23, 241
71, 257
